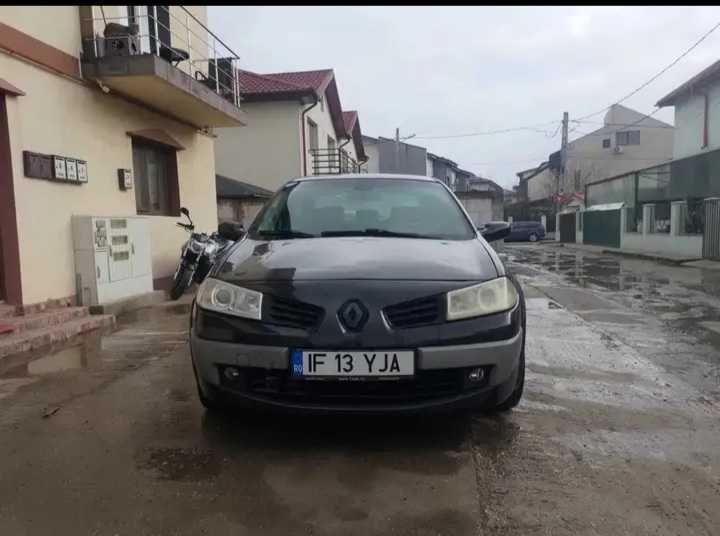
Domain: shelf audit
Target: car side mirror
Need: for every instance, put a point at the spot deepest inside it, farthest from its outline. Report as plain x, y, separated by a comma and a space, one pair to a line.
185, 211
494, 233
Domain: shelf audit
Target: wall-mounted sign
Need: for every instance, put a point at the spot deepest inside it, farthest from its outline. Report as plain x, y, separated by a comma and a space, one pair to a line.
71, 169
125, 179
60, 171
82, 171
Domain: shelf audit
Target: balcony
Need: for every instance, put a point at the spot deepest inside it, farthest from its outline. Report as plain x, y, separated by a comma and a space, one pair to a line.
333, 162
164, 58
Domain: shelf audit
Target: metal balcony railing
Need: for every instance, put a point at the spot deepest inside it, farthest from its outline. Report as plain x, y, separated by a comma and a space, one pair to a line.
333, 161
173, 34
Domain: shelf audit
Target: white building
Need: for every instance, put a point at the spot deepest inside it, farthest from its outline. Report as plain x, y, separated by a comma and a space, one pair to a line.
628, 140
296, 127
697, 113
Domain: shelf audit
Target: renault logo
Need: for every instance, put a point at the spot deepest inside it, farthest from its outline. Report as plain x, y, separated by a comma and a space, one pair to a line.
353, 315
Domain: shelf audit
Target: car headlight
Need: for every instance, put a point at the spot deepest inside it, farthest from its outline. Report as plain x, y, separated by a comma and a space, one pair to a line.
486, 298
216, 295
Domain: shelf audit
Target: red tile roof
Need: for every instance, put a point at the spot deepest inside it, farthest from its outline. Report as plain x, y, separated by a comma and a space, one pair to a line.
273, 86
253, 83
275, 83
349, 118
316, 80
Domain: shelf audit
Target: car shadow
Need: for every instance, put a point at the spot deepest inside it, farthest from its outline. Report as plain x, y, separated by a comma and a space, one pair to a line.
280, 432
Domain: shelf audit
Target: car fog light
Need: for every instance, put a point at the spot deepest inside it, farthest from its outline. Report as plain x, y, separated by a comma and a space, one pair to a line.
476, 375
231, 373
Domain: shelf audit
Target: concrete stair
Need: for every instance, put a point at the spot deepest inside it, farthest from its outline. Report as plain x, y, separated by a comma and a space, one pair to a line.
6, 310
33, 331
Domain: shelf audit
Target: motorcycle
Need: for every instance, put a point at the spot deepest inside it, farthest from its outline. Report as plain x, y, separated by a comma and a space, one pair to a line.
200, 252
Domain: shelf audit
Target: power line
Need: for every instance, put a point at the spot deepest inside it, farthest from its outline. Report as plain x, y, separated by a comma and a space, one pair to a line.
620, 124
534, 128
663, 71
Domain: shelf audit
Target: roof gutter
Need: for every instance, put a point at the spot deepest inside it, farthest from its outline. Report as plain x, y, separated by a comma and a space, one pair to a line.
302, 130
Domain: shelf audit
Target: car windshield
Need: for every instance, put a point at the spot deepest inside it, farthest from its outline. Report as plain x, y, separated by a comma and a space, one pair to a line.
363, 207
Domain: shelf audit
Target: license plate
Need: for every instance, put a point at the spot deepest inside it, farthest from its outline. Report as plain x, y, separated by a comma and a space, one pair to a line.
352, 363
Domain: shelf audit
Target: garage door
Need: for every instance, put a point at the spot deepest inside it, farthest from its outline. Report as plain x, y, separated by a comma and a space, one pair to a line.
602, 228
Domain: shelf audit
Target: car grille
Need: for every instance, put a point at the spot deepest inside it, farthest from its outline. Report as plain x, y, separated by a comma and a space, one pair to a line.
293, 313
410, 314
424, 386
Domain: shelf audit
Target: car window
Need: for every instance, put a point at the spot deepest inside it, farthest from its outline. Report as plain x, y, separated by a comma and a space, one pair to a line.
314, 208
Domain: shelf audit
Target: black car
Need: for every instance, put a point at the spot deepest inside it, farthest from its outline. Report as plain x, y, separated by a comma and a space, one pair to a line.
521, 231
360, 293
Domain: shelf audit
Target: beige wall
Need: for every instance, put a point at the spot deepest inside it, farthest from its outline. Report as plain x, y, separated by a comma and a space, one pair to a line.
320, 114
541, 185
57, 116
267, 151
44, 22
689, 123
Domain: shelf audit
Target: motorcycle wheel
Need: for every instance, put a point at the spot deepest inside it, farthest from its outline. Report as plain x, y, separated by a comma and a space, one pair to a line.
181, 282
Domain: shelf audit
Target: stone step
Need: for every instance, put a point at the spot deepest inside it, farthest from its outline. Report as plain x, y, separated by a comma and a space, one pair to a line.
37, 338
7, 310
50, 317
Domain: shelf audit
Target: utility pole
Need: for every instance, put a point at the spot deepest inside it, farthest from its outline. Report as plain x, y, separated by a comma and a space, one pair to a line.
397, 150
563, 159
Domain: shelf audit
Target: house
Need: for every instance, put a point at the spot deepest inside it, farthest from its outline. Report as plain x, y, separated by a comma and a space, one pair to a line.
462, 179
627, 140
387, 156
239, 201
106, 115
536, 184
534, 196
296, 127
670, 209
697, 113
441, 168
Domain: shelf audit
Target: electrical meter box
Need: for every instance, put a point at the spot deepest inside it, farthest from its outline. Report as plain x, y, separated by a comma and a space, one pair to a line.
112, 258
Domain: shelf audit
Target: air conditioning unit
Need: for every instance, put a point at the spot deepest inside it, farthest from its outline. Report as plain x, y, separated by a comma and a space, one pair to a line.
112, 258
618, 150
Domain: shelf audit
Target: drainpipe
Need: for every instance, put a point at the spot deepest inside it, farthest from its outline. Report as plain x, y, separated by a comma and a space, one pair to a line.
339, 153
302, 130
706, 123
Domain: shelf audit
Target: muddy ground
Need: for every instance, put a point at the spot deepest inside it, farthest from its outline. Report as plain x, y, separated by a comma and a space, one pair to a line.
618, 432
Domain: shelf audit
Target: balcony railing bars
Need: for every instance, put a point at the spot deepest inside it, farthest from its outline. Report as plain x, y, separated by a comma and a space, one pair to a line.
210, 60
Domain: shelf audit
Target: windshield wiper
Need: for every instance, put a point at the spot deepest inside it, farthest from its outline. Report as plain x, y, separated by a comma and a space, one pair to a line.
374, 232
284, 234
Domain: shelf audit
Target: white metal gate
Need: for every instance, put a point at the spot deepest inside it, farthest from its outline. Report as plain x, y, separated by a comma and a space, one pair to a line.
711, 234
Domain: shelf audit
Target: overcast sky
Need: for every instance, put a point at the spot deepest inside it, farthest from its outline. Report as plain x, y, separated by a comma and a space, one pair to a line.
434, 71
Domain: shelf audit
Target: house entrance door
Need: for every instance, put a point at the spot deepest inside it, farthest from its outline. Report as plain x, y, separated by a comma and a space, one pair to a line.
567, 227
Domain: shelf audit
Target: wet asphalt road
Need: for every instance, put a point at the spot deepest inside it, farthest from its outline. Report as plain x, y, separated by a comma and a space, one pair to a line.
618, 432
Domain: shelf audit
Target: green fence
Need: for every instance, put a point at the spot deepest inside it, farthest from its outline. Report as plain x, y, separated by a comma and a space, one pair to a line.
602, 228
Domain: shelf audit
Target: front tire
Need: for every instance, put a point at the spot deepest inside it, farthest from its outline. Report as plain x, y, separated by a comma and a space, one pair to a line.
533, 237
181, 282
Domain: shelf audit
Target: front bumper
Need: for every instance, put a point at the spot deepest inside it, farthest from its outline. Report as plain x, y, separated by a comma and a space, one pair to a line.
440, 382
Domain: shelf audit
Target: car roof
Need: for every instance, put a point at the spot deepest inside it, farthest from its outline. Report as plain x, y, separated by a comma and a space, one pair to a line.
394, 176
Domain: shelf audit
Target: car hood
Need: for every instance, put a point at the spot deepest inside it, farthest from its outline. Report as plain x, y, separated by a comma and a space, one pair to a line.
358, 258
